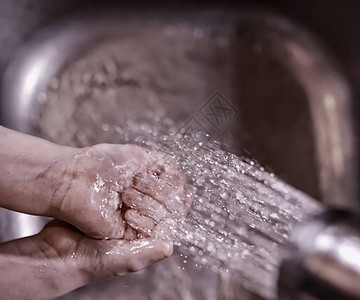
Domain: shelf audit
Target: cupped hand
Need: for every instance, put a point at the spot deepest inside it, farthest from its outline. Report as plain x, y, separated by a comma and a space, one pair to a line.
121, 191
97, 259
61, 258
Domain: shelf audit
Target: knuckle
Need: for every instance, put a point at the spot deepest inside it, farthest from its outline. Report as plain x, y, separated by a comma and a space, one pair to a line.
167, 250
134, 266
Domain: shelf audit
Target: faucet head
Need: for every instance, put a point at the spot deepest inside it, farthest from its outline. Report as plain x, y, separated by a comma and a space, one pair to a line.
323, 258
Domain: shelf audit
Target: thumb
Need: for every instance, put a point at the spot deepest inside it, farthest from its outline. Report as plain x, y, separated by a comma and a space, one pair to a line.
123, 257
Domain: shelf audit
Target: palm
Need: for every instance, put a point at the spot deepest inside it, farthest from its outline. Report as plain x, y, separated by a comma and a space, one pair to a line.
103, 258
122, 191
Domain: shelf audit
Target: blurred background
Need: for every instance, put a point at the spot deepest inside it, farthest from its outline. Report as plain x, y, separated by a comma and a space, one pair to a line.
284, 141
335, 24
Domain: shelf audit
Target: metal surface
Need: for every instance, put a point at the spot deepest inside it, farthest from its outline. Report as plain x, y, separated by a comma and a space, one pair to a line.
324, 259
329, 99
328, 94
14, 225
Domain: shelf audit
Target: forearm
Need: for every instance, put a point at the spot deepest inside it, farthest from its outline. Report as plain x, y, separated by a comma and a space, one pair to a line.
30, 269
30, 172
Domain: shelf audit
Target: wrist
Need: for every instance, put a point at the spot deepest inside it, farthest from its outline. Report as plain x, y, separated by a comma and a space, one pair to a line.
31, 170
56, 179
32, 269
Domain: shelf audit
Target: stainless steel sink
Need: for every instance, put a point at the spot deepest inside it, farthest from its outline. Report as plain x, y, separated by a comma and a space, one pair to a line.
293, 109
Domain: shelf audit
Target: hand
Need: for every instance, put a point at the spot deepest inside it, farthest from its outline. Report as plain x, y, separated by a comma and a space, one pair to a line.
60, 258
99, 259
106, 191
121, 191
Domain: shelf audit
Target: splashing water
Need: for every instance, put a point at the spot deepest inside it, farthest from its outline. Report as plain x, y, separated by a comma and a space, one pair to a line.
241, 215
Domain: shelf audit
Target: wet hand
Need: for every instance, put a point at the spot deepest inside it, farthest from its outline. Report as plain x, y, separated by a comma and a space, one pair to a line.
98, 259
61, 258
121, 191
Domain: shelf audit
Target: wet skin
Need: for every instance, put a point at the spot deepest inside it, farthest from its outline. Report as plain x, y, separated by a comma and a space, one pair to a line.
118, 206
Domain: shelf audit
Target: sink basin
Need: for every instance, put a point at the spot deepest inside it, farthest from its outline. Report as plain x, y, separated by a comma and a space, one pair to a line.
287, 105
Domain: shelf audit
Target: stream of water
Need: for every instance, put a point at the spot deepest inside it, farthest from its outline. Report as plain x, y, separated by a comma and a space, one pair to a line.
241, 215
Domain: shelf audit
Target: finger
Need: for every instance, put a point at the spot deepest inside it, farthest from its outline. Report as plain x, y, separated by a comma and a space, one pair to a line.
146, 205
113, 213
121, 258
167, 172
165, 230
173, 179
140, 223
130, 234
163, 193
164, 167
